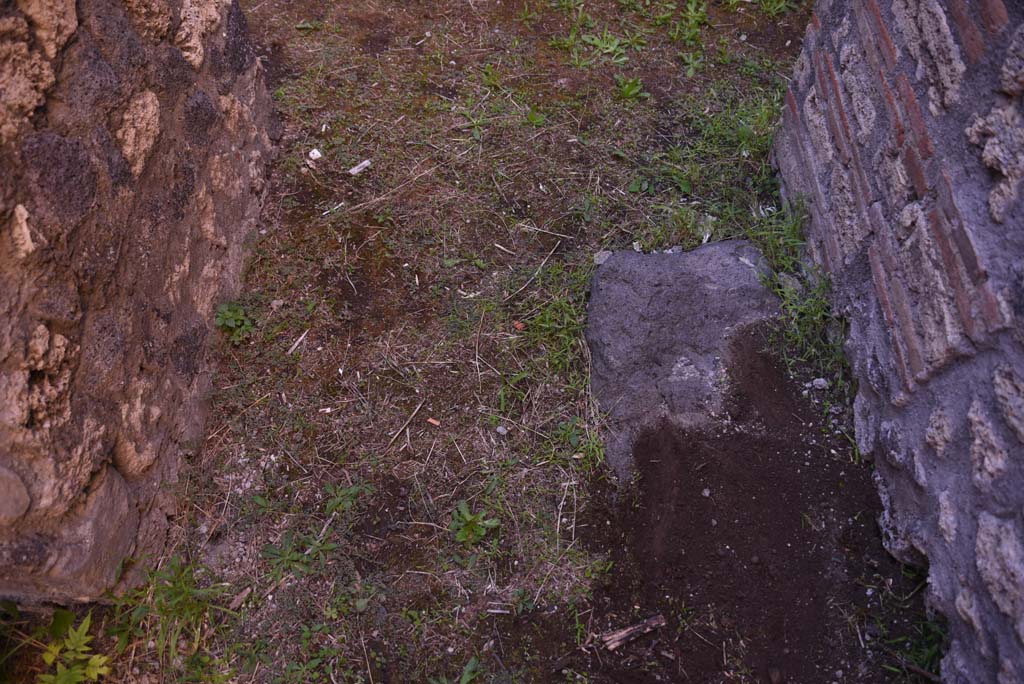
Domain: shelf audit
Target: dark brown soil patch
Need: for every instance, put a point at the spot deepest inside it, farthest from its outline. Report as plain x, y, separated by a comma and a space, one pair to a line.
756, 541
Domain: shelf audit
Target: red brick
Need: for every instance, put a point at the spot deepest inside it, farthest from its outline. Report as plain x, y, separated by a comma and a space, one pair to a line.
990, 308
867, 37
882, 292
964, 245
885, 43
939, 229
894, 112
861, 188
915, 117
901, 304
915, 169
831, 104
970, 35
993, 13
838, 92
791, 101
833, 260
820, 218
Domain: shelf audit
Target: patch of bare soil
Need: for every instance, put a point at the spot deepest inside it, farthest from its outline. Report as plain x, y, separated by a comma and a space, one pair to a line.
755, 542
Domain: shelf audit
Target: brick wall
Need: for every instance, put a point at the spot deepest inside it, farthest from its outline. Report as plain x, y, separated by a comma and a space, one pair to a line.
903, 130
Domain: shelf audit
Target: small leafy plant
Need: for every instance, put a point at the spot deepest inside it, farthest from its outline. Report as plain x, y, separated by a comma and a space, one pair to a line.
489, 77
343, 499
693, 62
298, 554
608, 46
233, 320
630, 88
535, 118
774, 8
70, 655
471, 671
175, 612
470, 528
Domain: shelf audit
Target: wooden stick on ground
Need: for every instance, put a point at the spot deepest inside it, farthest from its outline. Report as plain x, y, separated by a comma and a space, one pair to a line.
620, 637
405, 424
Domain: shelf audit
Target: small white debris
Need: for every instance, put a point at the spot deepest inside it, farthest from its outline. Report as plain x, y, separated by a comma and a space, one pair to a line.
602, 257
706, 493
276, 304
820, 384
315, 154
360, 167
637, 247
501, 430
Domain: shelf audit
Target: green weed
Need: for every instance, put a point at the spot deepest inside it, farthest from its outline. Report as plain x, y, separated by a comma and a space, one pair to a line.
233, 320
629, 88
470, 528
535, 118
774, 8
174, 610
810, 334
471, 671
344, 499
607, 45
68, 656
298, 554
693, 62
489, 77
920, 652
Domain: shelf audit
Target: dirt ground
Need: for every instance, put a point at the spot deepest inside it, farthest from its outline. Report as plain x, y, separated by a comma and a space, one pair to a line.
403, 479
757, 541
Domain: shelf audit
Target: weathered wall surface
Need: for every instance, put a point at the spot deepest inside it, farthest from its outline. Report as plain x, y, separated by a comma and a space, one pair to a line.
132, 152
904, 131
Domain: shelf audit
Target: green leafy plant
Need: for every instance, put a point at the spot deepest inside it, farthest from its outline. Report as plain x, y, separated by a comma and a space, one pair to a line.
522, 602
471, 671
774, 8
174, 610
608, 46
344, 499
584, 446
693, 62
233, 320
470, 528
630, 88
475, 124
635, 40
526, 15
298, 554
489, 77
69, 655
535, 118
694, 17
567, 5
695, 13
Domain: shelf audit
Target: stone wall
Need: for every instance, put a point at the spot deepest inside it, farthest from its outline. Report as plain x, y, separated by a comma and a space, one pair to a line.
132, 151
903, 130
